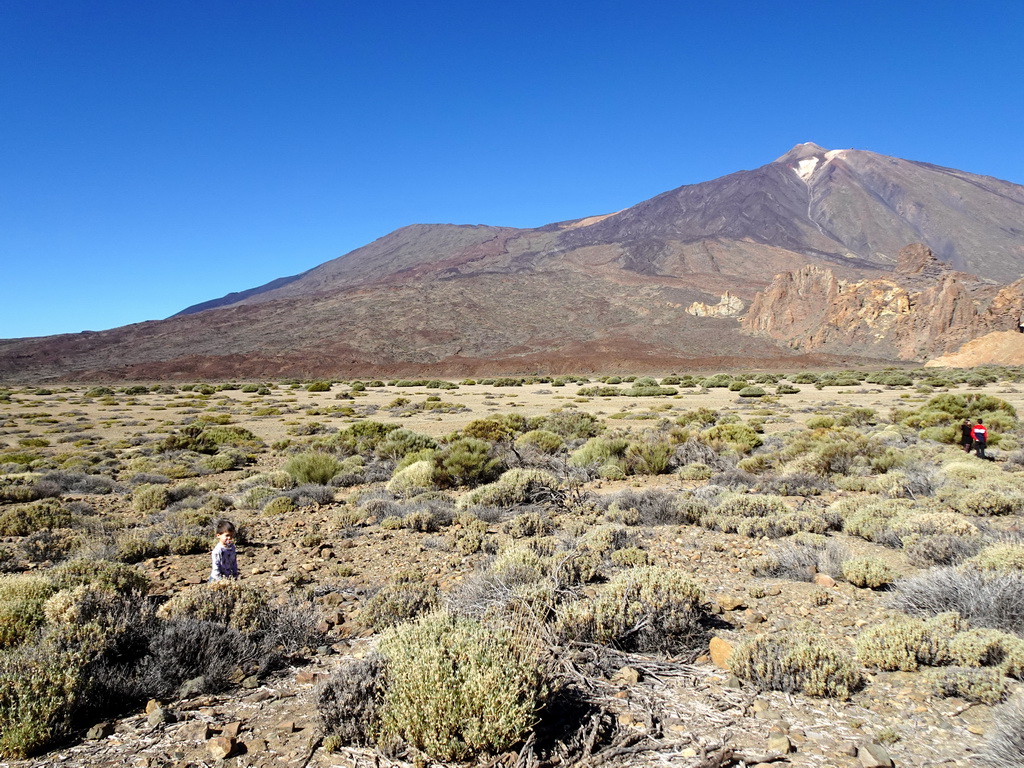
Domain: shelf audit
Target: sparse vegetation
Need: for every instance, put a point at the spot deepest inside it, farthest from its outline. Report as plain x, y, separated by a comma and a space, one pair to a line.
553, 535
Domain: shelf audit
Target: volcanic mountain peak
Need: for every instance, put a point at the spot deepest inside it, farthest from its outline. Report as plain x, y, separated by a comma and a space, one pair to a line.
611, 292
803, 151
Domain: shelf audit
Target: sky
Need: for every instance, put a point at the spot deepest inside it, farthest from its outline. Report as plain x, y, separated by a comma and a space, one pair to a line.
155, 154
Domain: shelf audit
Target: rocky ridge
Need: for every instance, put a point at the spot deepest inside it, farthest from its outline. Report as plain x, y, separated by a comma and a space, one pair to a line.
923, 309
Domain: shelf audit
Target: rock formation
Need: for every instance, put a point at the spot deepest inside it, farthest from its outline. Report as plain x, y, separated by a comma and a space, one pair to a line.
728, 306
924, 309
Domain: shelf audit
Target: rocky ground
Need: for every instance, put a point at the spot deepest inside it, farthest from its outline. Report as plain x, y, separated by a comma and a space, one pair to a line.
666, 711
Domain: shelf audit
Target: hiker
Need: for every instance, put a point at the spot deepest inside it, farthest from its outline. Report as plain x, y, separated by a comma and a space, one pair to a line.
966, 435
224, 558
980, 434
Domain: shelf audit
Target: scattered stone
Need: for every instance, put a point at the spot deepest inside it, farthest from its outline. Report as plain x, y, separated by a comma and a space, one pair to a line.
100, 731
221, 747
874, 755
730, 602
251, 682
733, 682
191, 688
779, 743
721, 650
159, 716
824, 580
231, 729
627, 676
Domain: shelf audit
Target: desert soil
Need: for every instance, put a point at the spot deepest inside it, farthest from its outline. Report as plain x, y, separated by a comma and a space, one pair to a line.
698, 706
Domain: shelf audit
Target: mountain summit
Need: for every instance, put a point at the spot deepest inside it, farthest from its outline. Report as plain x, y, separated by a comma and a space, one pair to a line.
657, 286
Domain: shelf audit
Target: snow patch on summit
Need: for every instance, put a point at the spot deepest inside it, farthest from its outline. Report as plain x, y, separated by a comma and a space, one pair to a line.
806, 167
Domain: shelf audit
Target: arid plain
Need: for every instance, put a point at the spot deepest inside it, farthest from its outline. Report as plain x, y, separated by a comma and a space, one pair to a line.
804, 508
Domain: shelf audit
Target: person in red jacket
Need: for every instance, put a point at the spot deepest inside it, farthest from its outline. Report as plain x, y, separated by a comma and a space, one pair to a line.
980, 434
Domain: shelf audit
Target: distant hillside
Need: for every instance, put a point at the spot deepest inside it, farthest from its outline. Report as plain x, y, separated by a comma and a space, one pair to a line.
641, 289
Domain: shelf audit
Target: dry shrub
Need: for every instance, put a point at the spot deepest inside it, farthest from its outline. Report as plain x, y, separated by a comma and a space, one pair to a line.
652, 506
1003, 556
907, 643
796, 664
1004, 745
980, 686
397, 603
868, 572
800, 559
940, 549
39, 686
456, 688
647, 608
226, 602
348, 705
987, 599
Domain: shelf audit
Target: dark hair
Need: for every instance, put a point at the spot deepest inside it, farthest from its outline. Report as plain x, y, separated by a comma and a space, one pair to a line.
225, 525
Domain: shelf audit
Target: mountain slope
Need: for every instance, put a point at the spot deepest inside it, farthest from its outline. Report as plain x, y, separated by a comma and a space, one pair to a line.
614, 291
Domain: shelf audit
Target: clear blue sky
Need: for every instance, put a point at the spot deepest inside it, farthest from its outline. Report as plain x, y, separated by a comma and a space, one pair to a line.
160, 153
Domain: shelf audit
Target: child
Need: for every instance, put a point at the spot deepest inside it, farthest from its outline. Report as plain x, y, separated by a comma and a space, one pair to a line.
980, 439
225, 560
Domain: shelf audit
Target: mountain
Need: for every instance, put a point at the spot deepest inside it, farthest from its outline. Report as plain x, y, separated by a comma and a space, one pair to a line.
659, 286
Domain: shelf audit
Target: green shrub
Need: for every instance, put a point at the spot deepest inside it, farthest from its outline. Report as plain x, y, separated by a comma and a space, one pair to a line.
401, 442
738, 437
312, 467
982, 647
572, 425
752, 392
989, 502
231, 603
150, 498
515, 487
44, 515
696, 470
279, 505
600, 451
821, 422
868, 572
648, 457
999, 557
134, 546
39, 688
979, 686
907, 644
647, 608
465, 462
457, 689
21, 606
319, 386
631, 557
796, 664
117, 578
542, 440
412, 480
395, 604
